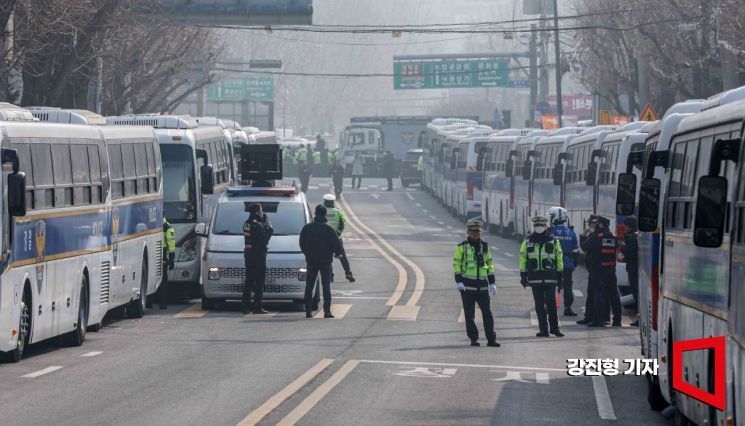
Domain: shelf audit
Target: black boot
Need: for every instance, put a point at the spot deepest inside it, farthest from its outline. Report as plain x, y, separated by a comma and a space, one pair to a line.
475, 343
541, 334
350, 278
328, 315
308, 314
557, 333
493, 344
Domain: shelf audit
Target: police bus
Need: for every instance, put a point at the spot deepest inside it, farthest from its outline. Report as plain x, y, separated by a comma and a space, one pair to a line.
542, 161
433, 137
82, 229
196, 170
522, 193
696, 206
445, 170
579, 199
467, 185
68, 116
613, 160
497, 206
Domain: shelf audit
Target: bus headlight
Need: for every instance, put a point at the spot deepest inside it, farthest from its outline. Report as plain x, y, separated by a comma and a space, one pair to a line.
214, 273
301, 274
188, 251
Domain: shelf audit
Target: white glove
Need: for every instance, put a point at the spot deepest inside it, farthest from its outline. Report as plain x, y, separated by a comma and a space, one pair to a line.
493, 289
461, 286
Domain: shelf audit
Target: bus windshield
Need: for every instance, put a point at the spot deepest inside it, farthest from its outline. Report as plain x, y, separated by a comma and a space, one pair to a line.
363, 139
179, 184
287, 218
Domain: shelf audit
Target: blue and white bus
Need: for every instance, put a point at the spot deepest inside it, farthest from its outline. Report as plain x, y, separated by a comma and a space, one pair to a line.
522, 193
499, 182
81, 231
579, 196
466, 188
430, 143
544, 193
196, 170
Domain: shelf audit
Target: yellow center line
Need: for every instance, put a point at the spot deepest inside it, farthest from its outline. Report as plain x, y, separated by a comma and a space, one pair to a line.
193, 311
418, 273
401, 285
314, 398
272, 403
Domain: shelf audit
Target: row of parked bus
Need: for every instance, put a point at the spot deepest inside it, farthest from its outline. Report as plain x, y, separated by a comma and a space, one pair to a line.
83, 209
683, 176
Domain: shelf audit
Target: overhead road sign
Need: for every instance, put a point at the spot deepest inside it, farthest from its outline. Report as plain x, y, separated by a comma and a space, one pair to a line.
452, 71
234, 12
648, 114
236, 89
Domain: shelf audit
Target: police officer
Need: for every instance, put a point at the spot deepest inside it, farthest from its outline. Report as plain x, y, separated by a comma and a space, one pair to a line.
388, 166
570, 248
474, 278
256, 234
169, 257
304, 173
337, 177
541, 266
319, 243
600, 246
337, 219
630, 251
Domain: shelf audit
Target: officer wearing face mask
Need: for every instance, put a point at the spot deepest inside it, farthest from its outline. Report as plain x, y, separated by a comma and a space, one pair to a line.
601, 246
541, 266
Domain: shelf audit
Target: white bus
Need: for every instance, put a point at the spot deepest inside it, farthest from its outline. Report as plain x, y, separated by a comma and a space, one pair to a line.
657, 142
196, 170
81, 231
579, 197
696, 206
522, 192
498, 190
68, 116
466, 196
544, 193
432, 143
614, 156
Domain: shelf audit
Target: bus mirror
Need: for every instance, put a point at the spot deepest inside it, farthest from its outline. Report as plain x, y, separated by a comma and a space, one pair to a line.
527, 168
208, 179
509, 168
649, 204
558, 174
17, 194
626, 194
711, 209
200, 230
592, 172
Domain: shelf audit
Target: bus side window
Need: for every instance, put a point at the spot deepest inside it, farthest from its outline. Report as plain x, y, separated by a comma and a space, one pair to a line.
99, 174
117, 171
41, 160
81, 176
141, 168
151, 169
130, 175
24, 160
62, 166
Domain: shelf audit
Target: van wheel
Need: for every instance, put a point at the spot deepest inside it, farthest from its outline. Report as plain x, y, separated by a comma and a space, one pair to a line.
136, 308
24, 329
77, 337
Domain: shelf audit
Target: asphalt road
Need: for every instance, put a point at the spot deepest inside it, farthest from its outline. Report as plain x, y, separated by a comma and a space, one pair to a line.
396, 354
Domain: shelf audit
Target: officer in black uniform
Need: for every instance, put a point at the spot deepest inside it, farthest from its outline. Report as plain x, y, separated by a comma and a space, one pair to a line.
600, 246
256, 234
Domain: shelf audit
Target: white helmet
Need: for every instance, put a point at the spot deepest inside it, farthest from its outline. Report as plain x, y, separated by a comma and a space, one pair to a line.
557, 215
328, 200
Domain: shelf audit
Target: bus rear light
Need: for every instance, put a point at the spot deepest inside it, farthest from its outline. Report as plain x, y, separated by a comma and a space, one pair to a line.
176, 137
13, 332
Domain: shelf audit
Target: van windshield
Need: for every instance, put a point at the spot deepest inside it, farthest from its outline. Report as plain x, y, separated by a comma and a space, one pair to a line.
287, 218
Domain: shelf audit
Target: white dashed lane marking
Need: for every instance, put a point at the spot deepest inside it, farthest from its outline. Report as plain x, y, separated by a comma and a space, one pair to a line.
90, 354
508, 254
43, 372
577, 293
418, 205
410, 196
433, 217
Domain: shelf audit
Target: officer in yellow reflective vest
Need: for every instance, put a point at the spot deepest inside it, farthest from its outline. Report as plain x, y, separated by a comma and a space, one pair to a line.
474, 278
336, 219
541, 266
169, 257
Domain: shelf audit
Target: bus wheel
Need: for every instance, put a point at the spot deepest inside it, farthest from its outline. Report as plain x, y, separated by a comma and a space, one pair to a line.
24, 323
136, 308
654, 395
77, 336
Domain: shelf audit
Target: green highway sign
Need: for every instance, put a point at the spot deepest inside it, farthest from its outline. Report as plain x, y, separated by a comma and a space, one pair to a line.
236, 89
451, 73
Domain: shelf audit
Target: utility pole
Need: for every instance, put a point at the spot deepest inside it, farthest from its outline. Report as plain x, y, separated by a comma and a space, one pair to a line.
543, 87
559, 105
533, 50
729, 68
643, 71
